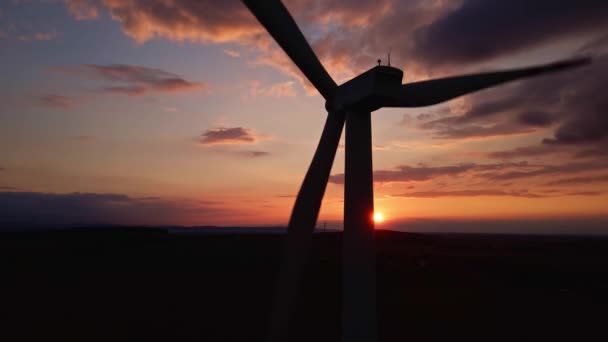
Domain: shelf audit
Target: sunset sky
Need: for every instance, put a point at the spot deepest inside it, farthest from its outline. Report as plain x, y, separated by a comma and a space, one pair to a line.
185, 112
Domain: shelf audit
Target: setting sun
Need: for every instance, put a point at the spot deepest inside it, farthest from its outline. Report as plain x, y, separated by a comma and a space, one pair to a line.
378, 217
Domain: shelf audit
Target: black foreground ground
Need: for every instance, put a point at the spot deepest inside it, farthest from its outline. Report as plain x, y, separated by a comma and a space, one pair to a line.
146, 285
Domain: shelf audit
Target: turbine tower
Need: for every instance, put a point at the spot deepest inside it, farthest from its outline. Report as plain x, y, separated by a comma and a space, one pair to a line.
353, 102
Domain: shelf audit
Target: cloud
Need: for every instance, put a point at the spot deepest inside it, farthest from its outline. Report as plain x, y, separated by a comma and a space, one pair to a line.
8, 188
536, 118
42, 36
469, 193
233, 135
56, 101
82, 9
232, 53
507, 27
331, 24
599, 151
596, 47
405, 173
479, 131
526, 151
484, 179
571, 103
579, 180
349, 36
253, 154
438, 38
185, 20
133, 80
284, 196
37, 208
586, 193
283, 89
544, 170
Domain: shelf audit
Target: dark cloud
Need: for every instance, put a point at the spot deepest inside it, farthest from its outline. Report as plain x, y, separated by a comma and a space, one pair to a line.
585, 193
56, 101
479, 131
600, 151
234, 135
545, 170
583, 129
134, 80
405, 173
536, 118
490, 179
469, 193
483, 29
8, 188
253, 154
572, 101
36, 208
579, 180
526, 151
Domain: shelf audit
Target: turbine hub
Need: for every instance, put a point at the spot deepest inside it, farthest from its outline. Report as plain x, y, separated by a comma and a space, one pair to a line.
365, 93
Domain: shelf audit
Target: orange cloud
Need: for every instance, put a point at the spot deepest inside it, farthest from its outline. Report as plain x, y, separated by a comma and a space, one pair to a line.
204, 21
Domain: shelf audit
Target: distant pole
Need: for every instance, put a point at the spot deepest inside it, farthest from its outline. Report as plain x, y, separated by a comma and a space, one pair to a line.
325, 227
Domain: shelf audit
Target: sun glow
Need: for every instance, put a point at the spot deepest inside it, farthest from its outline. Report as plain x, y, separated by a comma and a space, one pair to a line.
378, 217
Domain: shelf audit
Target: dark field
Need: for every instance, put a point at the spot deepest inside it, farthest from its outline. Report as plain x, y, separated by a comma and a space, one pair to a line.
147, 285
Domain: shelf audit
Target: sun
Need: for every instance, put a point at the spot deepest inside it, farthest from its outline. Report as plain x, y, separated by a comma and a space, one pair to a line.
378, 217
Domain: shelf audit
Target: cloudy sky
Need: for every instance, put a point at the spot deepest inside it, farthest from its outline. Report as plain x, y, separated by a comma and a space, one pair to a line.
186, 112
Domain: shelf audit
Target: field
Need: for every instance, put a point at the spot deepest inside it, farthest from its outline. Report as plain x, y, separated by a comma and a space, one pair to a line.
131, 284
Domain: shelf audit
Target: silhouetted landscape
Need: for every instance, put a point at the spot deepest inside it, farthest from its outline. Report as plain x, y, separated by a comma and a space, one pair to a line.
129, 283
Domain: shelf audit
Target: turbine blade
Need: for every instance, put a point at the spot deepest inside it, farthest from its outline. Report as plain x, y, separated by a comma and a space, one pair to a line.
273, 15
302, 224
427, 93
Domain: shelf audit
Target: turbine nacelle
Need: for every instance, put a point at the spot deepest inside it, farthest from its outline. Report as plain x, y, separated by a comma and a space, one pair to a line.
368, 91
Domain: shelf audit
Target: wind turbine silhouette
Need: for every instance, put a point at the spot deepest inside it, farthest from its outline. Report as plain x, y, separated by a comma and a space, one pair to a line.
353, 102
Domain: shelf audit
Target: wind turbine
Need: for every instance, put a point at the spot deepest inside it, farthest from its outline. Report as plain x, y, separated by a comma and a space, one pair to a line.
353, 102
